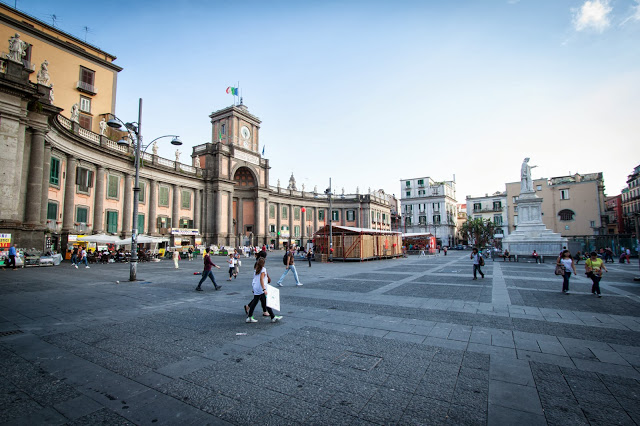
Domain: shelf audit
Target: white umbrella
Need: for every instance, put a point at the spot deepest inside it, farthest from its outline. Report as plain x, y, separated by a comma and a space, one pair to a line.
143, 239
100, 238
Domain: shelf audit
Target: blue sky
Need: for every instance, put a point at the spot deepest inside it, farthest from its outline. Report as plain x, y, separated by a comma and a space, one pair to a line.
370, 92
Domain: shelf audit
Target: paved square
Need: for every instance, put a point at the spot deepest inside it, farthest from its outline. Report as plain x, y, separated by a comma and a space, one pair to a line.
405, 341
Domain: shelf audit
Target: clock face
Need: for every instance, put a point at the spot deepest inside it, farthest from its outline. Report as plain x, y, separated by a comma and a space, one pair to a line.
245, 132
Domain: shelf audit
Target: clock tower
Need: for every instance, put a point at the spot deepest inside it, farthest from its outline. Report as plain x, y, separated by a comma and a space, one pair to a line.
237, 127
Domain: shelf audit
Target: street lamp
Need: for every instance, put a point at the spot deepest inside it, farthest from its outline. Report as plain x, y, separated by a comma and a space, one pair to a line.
136, 129
329, 194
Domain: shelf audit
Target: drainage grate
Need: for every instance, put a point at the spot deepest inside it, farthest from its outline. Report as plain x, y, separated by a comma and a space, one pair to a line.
9, 333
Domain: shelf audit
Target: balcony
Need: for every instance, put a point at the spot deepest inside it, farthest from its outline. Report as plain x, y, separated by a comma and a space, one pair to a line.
86, 88
488, 209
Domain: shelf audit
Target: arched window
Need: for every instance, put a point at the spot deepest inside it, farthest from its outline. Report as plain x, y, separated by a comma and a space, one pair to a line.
244, 177
566, 214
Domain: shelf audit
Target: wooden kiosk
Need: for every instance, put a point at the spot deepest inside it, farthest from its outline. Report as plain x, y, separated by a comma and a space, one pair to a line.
359, 244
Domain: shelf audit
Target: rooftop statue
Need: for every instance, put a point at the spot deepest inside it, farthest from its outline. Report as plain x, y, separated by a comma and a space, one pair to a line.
17, 48
75, 113
43, 74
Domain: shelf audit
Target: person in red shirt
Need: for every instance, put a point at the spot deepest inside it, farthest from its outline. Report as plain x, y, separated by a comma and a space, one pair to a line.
207, 272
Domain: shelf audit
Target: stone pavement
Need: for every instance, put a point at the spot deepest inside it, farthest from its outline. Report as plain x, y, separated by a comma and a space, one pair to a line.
405, 341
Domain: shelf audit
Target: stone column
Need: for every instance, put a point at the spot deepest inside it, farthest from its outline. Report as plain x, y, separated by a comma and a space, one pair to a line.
303, 226
343, 219
230, 232
217, 208
34, 179
153, 205
175, 208
197, 206
46, 171
98, 201
278, 219
68, 212
266, 221
257, 224
127, 206
240, 210
315, 220
291, 237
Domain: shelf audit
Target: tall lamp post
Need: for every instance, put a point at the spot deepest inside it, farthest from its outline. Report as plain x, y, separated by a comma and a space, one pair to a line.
329, 194
136, 129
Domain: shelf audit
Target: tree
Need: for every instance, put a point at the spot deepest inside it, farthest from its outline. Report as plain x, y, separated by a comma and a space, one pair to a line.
478, 231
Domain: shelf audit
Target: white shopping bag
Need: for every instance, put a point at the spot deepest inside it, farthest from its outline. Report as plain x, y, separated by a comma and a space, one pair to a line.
273, 297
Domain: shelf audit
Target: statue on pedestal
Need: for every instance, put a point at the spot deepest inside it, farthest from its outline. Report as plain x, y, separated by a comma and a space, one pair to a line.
75, 113
303, 187
196, 161
178, 155
103, 126
526, 184
17, 48
278, 183
292, 183
43, 74
154, 148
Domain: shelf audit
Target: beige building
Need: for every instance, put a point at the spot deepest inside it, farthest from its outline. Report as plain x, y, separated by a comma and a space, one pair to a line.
492, 208
572, 205
80, 73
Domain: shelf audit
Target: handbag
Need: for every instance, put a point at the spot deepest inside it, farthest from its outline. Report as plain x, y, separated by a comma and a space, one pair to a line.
559, 269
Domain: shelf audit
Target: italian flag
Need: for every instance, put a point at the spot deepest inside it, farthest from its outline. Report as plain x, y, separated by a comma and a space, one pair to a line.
232, 90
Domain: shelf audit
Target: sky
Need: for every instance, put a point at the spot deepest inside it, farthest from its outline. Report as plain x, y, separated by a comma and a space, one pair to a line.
371, 92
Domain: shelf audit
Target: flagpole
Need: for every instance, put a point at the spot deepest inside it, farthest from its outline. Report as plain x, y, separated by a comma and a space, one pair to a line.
238, 88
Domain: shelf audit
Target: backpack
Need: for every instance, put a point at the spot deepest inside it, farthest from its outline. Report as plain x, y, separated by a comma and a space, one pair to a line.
285, 259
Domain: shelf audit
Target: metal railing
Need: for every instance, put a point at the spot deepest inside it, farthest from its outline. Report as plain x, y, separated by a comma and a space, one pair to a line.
89, 88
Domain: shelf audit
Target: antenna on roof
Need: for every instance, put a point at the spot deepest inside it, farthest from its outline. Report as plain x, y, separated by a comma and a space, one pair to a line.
86, 31
54, 19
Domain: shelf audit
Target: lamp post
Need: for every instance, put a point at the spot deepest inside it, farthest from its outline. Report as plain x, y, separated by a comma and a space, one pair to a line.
136, 128
329, 194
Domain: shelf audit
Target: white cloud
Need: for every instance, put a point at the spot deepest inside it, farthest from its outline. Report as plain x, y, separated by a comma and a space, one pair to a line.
593, 14
635, 14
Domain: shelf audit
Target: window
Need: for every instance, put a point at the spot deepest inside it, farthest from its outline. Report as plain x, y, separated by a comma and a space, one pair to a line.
408, 193
223, 129
112, 222
350, 215
296, 231
420, 181
296, 213
515, 198
163, 222
185, 201
163, 196
143, 187
85, 104
407, 221
335, 215
566, 214
54, 174
272, 228
84, 179
497, 205
321, 214
538, 187
515, 208
436, 206
564, 194
422, 192
113, 186
140, 223
422, 220
81, 214
384, 218
52, 211
87, 80
272, 211
185, 223
436, 218
477, 206
407, 184
285, 212
84, 121
592, 223
497, 219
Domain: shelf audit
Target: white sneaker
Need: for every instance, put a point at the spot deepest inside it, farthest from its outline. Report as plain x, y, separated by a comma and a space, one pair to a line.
299, 284
76, 266
279, 284
251, 319
86, 267
276, 318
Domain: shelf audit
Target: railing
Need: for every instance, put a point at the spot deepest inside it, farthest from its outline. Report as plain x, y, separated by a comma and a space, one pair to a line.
89, 135
488, 210
165, 162
114, 145
187, 168
86, 87
147, 157
65, 122
199, 148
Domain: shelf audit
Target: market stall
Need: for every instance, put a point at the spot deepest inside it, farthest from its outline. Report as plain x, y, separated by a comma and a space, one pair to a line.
350, 243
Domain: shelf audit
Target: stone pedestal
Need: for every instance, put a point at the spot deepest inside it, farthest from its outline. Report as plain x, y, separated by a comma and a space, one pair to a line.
531, 233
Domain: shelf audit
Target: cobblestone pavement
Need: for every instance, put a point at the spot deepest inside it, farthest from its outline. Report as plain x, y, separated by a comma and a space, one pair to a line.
404, 341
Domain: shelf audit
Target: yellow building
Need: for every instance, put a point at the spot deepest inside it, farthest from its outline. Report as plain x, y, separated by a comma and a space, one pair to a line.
79, 72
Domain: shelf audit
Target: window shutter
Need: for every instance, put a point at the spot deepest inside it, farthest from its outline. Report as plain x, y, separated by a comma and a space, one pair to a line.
90, 178
78, 177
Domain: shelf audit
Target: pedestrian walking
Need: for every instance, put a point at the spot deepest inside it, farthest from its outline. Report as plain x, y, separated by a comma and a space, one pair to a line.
236, 256
259, 285
628, 255
74, 257
13, 252
83, 258
594, 267
176, 258
207, 272
232, 266
566, 262
478, 262
309, 255
289, 261
190, 254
